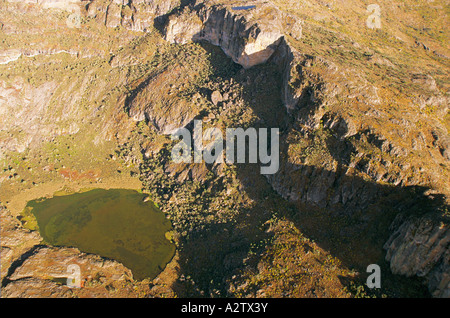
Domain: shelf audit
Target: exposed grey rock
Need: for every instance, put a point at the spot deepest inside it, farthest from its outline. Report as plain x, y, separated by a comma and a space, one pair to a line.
343, 127
137, 15
420, 247
425, 80
248, 37
165, 116
15, 240
216, 97
442, 142
31, 287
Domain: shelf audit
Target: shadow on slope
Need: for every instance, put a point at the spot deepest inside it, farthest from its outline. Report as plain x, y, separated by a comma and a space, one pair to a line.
353, 230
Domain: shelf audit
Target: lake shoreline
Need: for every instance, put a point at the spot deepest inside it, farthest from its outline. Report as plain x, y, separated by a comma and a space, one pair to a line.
17, 202
117, 224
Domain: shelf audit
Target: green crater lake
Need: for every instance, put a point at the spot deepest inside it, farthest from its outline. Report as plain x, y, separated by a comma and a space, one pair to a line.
116, 224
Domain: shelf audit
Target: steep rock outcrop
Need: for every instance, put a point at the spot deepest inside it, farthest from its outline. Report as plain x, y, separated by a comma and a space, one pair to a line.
250, 37
137, 15
43, 271
249, 41
15, 240
255, 36
420, 246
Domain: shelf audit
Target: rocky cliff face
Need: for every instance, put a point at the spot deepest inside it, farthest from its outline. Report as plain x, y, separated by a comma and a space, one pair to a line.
261, 35
248, 38
420, 246
133, 15
15, 240
363, 125
42, 272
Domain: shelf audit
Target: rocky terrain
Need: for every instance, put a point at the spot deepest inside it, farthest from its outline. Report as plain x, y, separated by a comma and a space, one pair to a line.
91, 90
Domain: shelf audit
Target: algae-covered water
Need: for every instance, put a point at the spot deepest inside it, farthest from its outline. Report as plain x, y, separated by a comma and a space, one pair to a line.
116, 224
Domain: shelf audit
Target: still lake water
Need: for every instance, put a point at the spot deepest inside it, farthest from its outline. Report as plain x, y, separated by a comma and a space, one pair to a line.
116, 224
